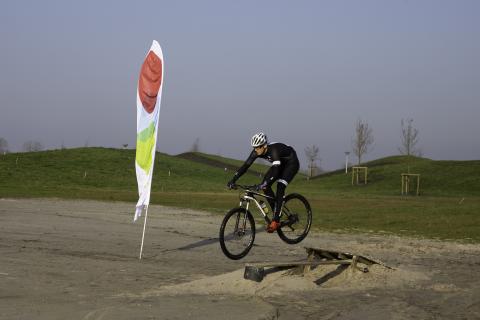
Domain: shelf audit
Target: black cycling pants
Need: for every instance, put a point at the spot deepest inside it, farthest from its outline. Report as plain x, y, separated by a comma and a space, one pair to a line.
287, 173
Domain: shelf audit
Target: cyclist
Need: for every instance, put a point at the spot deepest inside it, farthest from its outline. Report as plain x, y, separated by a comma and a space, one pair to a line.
284, 167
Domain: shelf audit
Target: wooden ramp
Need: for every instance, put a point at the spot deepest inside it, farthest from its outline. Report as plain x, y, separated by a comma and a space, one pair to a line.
315, 257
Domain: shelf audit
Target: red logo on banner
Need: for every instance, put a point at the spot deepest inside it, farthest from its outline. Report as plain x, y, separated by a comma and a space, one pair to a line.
150, 81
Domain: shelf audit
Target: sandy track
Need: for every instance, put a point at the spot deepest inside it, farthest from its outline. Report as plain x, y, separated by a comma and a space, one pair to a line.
79, 260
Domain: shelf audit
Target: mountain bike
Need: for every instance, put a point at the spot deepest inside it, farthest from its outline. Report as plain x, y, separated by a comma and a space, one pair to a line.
237, 231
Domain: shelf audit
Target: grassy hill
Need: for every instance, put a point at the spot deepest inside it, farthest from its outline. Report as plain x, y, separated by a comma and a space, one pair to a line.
447, 208
222, 163
437, 178
73, 171
258, 168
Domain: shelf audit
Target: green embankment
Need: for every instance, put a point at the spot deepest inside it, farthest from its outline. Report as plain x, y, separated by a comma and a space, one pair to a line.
448, 208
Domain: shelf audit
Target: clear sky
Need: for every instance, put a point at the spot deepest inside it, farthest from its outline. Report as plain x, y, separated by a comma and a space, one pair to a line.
301, 71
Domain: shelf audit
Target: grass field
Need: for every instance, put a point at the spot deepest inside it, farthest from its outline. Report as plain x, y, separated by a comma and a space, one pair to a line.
448, 207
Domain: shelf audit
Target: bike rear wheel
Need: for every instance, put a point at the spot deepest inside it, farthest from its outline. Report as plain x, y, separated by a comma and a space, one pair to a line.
237, 233
296, 219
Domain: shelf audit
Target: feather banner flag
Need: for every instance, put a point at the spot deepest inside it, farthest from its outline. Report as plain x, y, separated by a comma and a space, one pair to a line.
149, 94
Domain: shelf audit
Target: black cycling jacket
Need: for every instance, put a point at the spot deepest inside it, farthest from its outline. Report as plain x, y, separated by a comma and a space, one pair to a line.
279, 154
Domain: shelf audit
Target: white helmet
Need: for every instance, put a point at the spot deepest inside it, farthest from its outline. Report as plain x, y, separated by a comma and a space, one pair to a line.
259, 139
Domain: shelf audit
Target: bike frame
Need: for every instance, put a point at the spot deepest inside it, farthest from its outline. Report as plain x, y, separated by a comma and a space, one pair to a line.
249, 196
245, 201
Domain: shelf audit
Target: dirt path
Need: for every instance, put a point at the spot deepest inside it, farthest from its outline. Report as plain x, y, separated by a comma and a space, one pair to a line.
79, 260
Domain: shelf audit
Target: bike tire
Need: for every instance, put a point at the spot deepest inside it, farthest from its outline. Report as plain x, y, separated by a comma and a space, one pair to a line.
295, 205
231, 238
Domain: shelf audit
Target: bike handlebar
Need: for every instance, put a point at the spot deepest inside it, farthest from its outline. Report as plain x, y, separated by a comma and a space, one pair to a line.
244, 187
250, 189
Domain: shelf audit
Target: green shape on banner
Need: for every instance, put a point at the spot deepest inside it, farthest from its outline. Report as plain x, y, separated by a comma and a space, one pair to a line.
145, 146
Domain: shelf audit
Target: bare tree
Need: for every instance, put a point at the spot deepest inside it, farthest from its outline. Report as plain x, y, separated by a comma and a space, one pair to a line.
312, 156
362, 140
409, 139
196, 146
32, 146
3, 145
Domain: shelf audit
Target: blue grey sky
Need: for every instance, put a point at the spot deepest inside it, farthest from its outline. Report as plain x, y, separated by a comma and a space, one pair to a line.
301, 71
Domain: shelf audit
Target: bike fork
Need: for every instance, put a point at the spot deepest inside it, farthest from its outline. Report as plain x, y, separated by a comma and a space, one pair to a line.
244, 222
245, 217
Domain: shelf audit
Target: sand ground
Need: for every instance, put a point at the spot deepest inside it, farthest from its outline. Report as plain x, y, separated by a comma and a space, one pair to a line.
79, 260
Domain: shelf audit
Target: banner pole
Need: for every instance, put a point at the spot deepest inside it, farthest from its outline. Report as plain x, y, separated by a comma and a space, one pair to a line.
143, 234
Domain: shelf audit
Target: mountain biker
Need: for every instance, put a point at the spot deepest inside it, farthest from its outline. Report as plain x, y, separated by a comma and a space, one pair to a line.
284, 167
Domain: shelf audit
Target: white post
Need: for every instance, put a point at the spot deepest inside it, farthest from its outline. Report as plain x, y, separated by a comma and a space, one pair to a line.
346, 161
143, 234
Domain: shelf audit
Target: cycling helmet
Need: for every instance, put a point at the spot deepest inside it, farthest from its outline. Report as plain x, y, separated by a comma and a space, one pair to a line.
259, 139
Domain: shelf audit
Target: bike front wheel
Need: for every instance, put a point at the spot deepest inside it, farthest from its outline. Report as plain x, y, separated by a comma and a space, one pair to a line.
296, 219
237, 233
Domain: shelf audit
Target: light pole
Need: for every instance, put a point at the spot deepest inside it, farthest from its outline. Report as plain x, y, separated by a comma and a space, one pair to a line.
346, 161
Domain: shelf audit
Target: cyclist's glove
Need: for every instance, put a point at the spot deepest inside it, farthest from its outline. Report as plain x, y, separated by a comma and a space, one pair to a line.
261, 186
231, 184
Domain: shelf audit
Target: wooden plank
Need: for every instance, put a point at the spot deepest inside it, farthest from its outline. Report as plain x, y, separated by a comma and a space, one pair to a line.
344, 255
327, 255
296, 263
